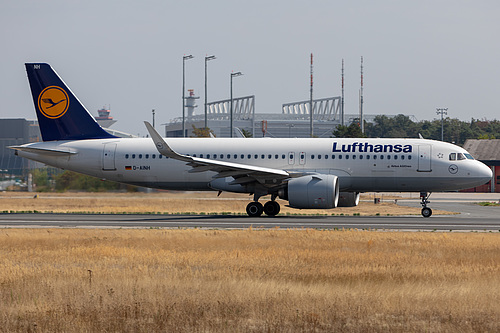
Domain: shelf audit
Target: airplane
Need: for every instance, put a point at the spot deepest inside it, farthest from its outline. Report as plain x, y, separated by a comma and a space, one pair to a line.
309, 173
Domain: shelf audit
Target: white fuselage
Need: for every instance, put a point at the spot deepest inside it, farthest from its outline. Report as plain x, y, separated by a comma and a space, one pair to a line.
360, 164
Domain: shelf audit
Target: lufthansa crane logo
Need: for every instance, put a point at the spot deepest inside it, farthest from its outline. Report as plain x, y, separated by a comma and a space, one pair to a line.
53, 102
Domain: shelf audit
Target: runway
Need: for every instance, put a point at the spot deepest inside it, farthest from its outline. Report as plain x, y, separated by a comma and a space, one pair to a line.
470, 217
442, 223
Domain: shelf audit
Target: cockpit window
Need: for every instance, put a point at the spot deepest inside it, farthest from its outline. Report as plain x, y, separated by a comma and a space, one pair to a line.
460, 156
469, 156
453, 156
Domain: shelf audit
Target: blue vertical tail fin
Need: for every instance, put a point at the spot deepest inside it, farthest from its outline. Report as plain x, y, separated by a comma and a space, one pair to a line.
61, 116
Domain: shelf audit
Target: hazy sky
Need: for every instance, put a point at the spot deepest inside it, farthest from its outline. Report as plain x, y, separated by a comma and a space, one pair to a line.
418, 55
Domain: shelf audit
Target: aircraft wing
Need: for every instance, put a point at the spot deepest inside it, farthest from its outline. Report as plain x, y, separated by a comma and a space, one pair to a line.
242, 173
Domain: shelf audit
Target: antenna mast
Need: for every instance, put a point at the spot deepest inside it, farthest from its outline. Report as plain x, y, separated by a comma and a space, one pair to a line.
342, 105
361, 122
311, 111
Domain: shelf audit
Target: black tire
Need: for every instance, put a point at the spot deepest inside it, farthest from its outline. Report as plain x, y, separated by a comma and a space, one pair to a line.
255, 209
271, 208
426, 212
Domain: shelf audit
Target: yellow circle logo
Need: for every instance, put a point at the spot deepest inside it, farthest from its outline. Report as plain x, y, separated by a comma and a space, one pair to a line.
53, 102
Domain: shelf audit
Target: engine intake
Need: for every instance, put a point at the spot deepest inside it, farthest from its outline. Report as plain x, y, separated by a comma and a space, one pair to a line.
315, 191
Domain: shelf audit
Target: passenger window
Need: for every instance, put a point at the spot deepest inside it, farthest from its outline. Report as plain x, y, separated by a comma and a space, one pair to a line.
453, 156
353, 157
228, 156
367, 157
201, 155
302, 156
312, 157
326, 157
402, 157
249, 156
222, 156
283, 156
154, 156
263, 156
395, 157
409, 157
360, 157
276, 156
374, 157
147, 155
319, 157
256, 156
208, 155
242, 156
126, 155
160, 156
235, 156
346, 157
340, 157
388, 157
381, 157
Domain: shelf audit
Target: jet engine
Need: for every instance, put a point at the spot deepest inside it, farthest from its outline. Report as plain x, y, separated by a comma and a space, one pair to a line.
310, 192
348, 199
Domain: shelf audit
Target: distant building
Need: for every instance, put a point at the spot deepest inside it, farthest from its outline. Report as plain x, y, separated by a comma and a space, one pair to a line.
16, 132
292, 122
488, 152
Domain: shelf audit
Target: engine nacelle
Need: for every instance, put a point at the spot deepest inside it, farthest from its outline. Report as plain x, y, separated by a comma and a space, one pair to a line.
310, 192
348, 199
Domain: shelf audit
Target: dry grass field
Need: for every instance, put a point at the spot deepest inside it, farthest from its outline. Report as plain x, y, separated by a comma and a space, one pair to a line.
176, 202
142, 280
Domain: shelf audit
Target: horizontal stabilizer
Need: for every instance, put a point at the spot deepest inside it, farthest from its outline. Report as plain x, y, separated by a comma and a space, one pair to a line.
45, 151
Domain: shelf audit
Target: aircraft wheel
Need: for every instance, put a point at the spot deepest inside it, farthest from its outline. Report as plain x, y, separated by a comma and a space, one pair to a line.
271, 208
426, 212
254, 209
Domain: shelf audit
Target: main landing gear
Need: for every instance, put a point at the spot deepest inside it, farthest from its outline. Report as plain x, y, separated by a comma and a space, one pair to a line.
426, 211
270, 208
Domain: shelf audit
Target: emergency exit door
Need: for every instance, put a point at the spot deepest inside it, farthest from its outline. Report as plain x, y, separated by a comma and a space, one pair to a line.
424, 158
108, 156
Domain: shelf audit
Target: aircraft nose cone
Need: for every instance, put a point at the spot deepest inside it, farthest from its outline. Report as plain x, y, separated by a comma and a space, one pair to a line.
484, 173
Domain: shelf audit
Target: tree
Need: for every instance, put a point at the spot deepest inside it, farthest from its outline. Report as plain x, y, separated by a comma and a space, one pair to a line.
351, 131
69, 180
202, 132
246, 134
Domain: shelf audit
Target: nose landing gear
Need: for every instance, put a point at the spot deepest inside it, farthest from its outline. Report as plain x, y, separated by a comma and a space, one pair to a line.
426, 211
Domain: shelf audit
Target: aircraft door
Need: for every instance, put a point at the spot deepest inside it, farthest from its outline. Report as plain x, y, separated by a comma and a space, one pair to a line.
424, 158
108, 156
291, 158
302, 158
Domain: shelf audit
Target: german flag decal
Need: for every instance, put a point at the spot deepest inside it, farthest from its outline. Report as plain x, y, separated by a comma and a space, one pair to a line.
128, 167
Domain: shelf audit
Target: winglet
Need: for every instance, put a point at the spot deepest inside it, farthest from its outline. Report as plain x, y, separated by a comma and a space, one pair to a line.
162, 146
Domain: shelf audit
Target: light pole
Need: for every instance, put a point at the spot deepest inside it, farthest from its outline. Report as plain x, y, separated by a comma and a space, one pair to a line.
442, 111
153, 118
231, 116
184, 58
207, 58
